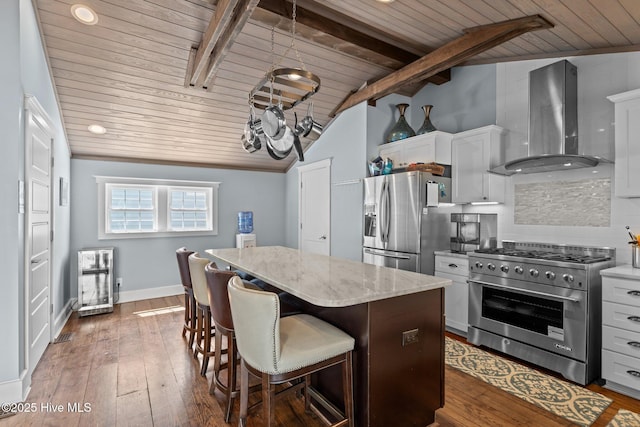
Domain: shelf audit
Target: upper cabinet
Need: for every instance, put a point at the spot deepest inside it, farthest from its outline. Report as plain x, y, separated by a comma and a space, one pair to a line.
627, 134
429, 147
473, 153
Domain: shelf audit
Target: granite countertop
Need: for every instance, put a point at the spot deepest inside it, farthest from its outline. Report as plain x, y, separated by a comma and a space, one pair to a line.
625, 271
452, 254
324, 280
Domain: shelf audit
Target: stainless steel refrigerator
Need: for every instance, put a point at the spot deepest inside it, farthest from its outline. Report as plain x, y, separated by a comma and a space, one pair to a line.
405, 221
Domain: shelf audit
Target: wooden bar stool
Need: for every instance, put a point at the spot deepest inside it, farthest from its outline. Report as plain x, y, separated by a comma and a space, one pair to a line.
190, 317
217, 281
279, 350
204, 329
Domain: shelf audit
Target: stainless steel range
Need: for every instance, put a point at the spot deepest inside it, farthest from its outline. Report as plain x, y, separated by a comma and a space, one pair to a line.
540, 303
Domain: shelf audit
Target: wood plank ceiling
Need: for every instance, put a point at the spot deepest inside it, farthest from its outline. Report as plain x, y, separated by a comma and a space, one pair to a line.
127, 72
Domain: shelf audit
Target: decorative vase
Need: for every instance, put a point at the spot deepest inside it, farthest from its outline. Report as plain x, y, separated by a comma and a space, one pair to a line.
427, 126
401, 129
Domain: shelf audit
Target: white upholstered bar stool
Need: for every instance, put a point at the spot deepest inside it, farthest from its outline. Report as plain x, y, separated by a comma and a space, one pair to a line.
204, 329
279, 350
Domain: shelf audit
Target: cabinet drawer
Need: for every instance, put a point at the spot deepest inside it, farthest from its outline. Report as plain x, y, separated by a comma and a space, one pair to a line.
622, 291
621, 369
621, 316
452, 265
621, 341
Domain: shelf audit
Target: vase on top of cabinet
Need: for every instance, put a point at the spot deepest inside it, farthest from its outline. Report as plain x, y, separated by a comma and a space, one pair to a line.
401, 129
427, 126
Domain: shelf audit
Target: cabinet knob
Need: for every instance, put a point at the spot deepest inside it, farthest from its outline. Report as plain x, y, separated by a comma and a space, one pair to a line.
634, 293
634, 318
634, 373
452, 265
634, 344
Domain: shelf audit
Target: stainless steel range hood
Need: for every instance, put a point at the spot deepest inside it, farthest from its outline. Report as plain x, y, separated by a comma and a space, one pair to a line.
553, 123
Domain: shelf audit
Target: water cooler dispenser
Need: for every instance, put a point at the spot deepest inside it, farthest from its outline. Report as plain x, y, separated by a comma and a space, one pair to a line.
245, 239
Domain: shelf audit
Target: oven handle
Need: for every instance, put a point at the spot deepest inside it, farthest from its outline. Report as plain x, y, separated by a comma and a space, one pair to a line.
526, 291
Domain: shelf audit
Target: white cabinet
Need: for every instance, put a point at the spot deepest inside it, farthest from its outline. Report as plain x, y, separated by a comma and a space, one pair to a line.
426, 148
627, 134
473, 153
621, 329
455, 267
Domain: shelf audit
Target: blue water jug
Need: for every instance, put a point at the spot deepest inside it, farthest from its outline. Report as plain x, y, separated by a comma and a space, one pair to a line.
245, 222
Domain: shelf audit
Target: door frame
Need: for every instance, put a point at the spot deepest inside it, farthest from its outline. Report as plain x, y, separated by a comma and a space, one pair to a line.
33, 110
320, 164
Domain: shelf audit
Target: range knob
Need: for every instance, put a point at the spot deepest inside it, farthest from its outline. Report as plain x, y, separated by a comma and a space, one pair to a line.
518, 269
504, 268
550, 275
491, 266
534, 273
478, 264
567, 278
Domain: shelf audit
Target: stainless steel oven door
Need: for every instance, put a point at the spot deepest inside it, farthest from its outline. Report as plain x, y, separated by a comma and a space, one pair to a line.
548, 317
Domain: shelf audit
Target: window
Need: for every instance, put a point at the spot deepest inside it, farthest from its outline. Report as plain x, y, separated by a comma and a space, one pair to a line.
135, 208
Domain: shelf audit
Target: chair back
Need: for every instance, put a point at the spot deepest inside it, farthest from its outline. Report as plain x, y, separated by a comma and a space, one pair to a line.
217, 282
183, 265
256, 321
198, 279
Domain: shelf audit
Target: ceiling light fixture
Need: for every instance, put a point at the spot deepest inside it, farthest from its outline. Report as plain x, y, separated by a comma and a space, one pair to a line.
97, 129
385, 1
84, 14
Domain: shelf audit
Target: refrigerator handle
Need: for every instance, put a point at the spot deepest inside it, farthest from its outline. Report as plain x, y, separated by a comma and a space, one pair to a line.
385, 211
381, 210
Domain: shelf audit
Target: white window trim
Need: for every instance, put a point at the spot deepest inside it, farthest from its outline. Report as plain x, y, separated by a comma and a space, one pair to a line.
162, 204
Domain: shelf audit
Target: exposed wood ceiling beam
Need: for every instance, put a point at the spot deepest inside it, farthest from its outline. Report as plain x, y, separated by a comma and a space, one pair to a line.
228, 20
362, 40
474, 41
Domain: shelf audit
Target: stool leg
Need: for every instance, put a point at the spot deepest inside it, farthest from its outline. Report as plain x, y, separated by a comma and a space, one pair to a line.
268, 400
307, 397
347, 388
244, 394
199, 328
187, 311
206, 350
217, 363
194, 316
231, 373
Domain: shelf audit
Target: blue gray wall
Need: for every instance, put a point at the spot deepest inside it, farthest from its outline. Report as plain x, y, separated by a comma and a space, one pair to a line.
344, 142
150, 263
24, 71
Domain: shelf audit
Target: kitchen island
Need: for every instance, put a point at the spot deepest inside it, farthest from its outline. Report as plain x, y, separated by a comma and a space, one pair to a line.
395, 316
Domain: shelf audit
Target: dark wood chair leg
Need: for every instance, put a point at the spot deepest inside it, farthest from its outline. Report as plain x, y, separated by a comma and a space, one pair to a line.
187, 313
199, 319
307, 397
347, 385
244, 394
217, 363
231, 374
194, 315
206, 349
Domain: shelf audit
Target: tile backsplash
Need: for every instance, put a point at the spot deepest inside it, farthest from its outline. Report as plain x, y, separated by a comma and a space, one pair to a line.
564, 203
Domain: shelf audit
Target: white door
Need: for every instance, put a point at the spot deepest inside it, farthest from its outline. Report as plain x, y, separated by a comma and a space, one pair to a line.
315, 207
38, 144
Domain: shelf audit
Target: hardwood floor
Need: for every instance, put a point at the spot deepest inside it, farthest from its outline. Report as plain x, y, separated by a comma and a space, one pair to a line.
133, 368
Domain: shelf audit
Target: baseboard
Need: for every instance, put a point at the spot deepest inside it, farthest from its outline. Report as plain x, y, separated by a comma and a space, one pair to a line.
142, 294
64, 315
14, 391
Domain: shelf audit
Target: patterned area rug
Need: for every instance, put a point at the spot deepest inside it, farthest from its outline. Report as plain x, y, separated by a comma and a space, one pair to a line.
625, 418
575, 403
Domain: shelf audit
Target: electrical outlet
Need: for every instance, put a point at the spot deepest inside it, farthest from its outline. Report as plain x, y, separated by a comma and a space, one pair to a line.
118, 282
410, 337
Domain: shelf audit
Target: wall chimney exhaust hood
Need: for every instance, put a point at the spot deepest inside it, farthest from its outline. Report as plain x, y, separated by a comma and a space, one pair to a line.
553, 123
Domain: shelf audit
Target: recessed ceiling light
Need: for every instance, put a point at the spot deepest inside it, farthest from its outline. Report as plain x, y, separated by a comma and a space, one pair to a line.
97, 129
386, 1
84, 14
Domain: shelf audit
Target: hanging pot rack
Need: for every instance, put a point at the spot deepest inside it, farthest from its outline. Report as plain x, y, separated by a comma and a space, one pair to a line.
290, 85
